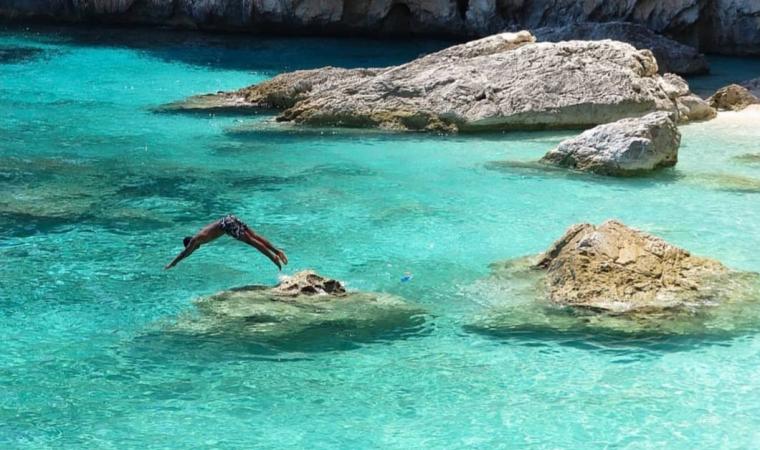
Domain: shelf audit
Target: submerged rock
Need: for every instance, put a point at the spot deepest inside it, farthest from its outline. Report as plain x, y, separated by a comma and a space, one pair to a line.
502, 82
733, 98
625, 147
16, 55
671, 56
748, 158
753, 86
727, 182
303, 303
614, 278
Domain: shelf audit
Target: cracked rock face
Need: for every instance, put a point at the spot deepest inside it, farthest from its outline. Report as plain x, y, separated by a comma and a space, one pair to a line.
625, 147
611, 279
671, 56
502, 82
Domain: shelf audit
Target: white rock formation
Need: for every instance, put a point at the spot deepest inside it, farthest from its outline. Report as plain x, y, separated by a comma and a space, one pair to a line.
628, 146
502, 82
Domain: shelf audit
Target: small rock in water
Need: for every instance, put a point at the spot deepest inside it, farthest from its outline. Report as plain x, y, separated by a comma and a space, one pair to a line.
612, 278
625, 147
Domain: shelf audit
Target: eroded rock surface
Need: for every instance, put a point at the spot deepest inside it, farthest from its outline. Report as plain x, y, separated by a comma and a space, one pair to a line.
733, 98
612, 278
305, 302
503, 82
625, 147
616, 268
671, 56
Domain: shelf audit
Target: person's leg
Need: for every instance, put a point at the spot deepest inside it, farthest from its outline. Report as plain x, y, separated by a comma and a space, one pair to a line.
262, 240
261, 248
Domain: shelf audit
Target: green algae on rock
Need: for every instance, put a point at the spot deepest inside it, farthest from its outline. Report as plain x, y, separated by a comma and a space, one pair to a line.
299, 304
612, 278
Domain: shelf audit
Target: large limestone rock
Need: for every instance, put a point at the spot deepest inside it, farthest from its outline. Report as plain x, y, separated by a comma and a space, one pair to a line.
503, 82
733, 98
614, 279
671, 56
303, 304
625, 147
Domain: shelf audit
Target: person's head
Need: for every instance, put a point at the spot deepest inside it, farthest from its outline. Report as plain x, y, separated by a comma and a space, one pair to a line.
186, 240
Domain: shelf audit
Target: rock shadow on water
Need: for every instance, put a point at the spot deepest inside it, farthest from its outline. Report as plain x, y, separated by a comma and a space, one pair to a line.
230, 51
714, 181
20, 55
316, 315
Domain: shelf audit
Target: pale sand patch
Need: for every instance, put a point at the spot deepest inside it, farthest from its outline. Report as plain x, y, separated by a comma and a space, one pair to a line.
750, 116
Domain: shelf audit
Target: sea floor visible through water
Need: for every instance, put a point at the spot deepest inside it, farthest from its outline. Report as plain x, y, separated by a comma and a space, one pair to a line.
98, 191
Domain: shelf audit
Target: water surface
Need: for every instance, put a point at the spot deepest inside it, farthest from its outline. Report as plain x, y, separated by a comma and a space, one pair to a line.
98, 191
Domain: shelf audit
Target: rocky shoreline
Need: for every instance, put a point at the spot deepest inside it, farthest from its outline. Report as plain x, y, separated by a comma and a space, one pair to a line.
716, 26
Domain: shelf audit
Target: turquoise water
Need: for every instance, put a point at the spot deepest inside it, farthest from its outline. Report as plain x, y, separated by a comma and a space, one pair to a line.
97, 192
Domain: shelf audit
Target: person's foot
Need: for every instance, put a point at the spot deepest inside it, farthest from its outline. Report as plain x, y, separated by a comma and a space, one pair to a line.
283, 258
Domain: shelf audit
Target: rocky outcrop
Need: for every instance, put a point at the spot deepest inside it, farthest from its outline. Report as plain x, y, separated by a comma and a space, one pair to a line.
625, 147
715, 26
671, 56
616, 268
502, 82
614, 279
733, 98
303, 303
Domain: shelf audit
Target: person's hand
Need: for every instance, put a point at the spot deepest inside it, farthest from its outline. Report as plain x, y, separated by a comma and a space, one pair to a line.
168, 266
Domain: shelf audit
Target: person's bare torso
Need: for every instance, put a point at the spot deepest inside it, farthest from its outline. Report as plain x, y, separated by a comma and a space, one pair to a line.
209, 233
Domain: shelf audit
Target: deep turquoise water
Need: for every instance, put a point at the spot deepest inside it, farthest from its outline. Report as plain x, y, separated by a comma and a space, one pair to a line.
97, 192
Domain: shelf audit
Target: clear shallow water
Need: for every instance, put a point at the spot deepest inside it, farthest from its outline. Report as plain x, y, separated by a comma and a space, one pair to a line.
97, 193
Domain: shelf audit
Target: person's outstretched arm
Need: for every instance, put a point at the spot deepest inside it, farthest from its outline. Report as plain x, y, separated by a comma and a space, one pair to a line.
182, 255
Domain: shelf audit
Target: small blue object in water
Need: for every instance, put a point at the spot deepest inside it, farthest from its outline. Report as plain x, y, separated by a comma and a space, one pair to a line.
407, 277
